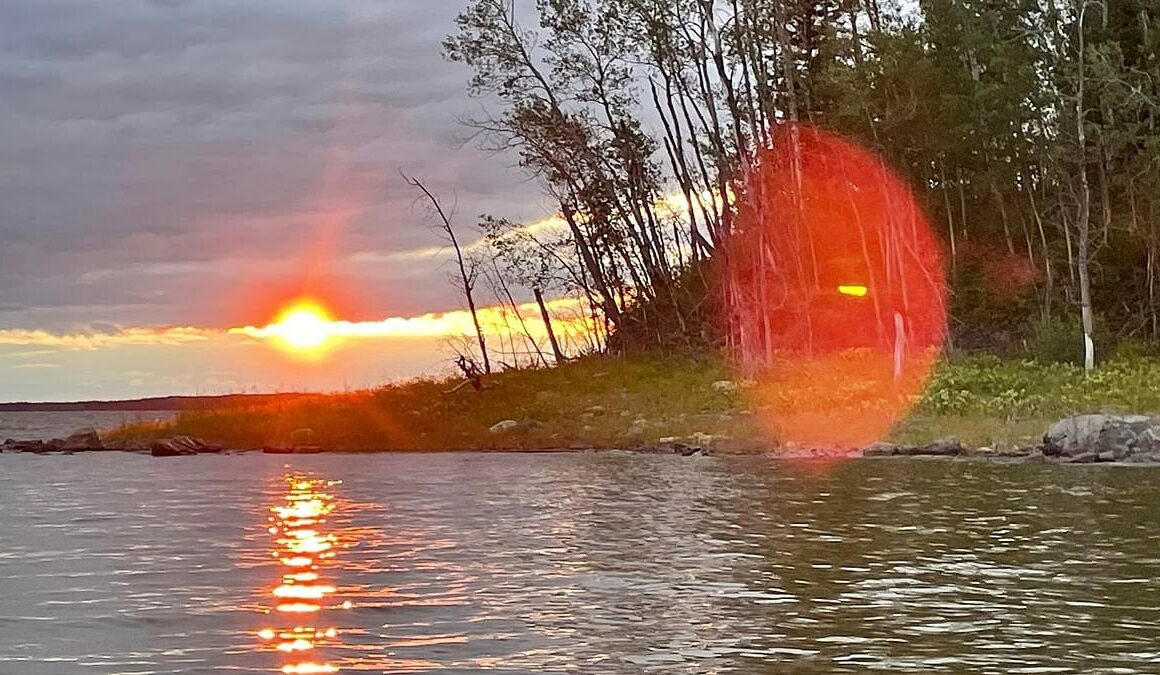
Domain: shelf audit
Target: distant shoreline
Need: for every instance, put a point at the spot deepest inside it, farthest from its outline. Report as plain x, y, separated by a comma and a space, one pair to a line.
154, 404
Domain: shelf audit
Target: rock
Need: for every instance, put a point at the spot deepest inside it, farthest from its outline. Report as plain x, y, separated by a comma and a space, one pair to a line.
880, 450
503, 425
984, 451
637, 428
671, 445
128, 445
943, 447
1121, 437
725, 386
703, 440
168, 448
82, 440
25, 446
181, 446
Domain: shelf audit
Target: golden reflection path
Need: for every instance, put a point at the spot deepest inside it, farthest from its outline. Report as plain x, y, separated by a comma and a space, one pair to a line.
301, 600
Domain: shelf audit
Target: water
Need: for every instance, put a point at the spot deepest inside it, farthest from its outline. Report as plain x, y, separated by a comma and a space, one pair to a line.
40, 425
581, 563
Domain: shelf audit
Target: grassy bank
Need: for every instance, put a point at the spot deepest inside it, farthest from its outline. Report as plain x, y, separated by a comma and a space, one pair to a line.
606, 402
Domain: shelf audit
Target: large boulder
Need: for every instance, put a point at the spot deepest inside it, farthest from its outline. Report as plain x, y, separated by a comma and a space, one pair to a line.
82, 440
1104, 438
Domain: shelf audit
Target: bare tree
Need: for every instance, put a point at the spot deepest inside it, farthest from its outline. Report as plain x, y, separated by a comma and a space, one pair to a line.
468, 274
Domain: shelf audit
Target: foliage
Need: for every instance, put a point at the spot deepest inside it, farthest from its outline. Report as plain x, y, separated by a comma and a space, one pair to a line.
1037, 152
1022, 389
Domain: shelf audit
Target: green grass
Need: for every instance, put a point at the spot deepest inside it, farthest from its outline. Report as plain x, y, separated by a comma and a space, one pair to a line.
595, 402
612, 402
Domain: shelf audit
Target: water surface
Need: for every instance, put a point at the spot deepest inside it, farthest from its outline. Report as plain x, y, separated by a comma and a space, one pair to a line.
45, 425
597, 563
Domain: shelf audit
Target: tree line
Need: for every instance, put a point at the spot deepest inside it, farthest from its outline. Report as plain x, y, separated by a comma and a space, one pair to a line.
1027, 128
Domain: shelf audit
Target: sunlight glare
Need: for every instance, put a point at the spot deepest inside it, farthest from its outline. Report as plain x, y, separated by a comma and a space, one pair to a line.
303, 328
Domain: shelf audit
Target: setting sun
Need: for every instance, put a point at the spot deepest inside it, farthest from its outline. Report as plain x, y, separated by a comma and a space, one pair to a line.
304, 327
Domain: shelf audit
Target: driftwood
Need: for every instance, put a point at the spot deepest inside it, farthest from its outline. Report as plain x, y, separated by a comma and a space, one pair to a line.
472, 373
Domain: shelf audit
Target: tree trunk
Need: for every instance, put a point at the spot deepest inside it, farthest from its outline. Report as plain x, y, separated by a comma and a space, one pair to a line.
556, 351
465, 278
1083, 218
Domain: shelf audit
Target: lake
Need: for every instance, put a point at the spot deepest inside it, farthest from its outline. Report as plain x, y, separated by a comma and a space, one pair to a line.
45, 425
574, 563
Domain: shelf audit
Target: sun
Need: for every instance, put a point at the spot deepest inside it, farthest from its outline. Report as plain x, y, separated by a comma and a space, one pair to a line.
305, 327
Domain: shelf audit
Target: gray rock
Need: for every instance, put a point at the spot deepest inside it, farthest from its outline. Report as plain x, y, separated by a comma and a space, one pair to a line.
25, 446
168, 448
82, 440
725, 386
637, 428
880, 450
944, 447
503, 425
703, 440
181, 446
1118, 437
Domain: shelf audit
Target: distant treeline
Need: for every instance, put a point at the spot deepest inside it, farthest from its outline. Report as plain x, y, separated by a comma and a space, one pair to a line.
1028, 128
160, 404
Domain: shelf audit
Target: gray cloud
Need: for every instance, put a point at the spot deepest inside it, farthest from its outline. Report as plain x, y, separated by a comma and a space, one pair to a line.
158, 156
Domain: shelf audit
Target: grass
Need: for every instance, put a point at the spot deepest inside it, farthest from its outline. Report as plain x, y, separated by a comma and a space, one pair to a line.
612, 402
595, 402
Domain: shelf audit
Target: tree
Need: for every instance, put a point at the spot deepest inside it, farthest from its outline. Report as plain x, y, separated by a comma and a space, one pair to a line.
466, 268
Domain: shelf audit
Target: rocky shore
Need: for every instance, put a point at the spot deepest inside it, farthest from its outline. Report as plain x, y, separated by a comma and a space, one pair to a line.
1080, 439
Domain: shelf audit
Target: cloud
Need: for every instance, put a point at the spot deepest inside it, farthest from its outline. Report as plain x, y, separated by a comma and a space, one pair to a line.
90, 341
566, 313
157, 155
568, 318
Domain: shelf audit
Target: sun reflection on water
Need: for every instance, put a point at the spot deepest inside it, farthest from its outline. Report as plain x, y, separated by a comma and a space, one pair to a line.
301, 599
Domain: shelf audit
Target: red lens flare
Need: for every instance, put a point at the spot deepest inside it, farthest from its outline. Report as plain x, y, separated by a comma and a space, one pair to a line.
835, 292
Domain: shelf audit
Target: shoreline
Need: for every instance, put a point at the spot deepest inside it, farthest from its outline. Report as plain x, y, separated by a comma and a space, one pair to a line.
1096, 439
980, 406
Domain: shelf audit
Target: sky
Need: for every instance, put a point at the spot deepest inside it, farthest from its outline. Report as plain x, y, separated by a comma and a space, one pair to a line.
174, 169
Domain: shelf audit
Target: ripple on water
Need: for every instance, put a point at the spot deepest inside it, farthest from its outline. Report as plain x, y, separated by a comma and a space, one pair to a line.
573, 563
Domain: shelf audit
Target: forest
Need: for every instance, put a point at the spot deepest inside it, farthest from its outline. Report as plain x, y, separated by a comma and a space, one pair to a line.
1026, 128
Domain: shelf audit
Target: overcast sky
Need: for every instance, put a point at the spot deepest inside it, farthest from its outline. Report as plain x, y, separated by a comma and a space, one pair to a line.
194, 162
